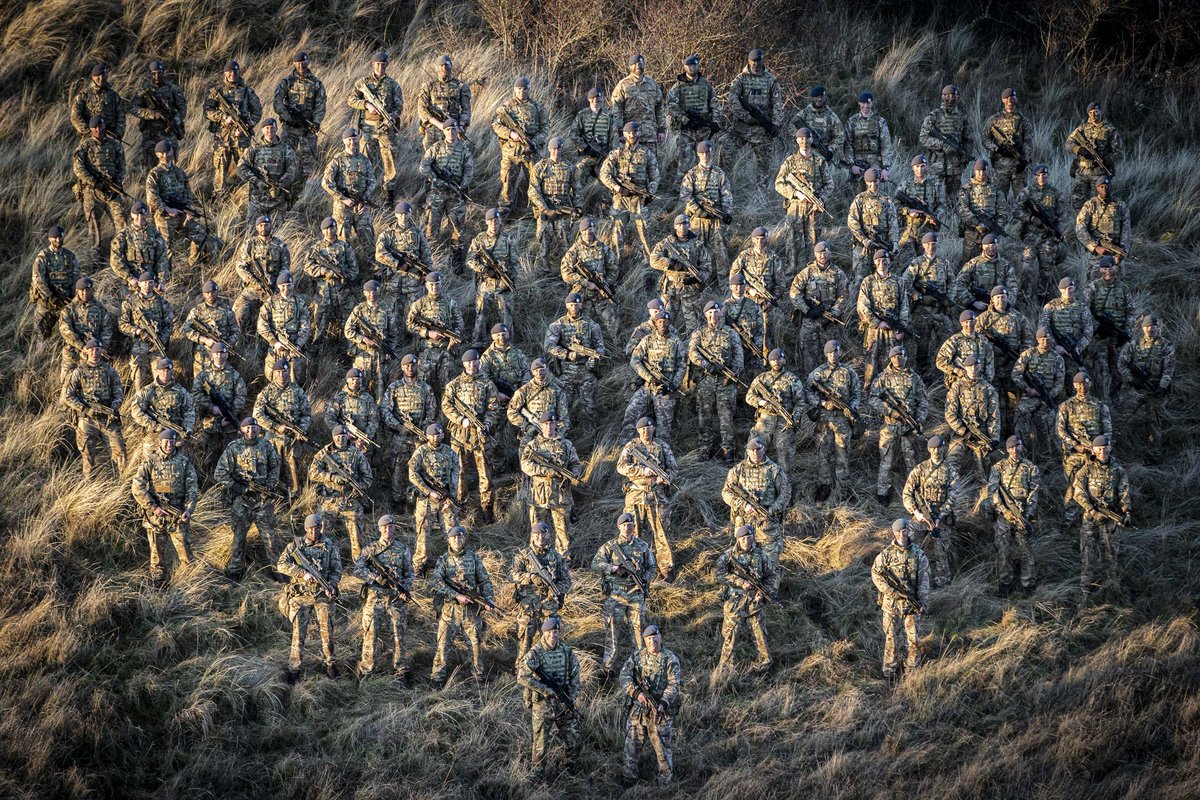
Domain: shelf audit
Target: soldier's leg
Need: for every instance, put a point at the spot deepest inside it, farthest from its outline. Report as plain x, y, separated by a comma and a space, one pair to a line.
889, 438
825, 448
239, 522
560, 517
912, 635
153, 528
637, 623
730, 623
446, 631
938, 550
655, 518
726, 399
1003, 538
398, 617
586, 392
614, 613
759, 631
1089, 554
181, 539
325, 627
1025, 554
370, 622
423, 518
891, 622
473, 627
770, 539
635, 409
528, 623
664, 414
354, 530
660, 738
85, 436
1072, 463
542, 724
635, 735
116, 446
706, 401
1081, 189
841, 444
509, 171
1108, 553
364, 226
299, 611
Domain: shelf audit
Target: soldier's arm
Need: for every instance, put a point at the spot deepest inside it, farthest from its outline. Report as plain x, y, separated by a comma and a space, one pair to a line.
652, 173
600, 561
783, 494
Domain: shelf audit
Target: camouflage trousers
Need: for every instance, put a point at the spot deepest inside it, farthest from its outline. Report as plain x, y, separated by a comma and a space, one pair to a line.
515, 169
259, 204
1145, 412
549, 716
739, 612
245, 311
1083, 186
579, 386
1072, 463
1101, 358
620, 609
208, 441
1007, 177
289, 462
712, 233
966, 453
383, 613
1097, 554
641, 403
202, 244
444, 209
530, 616
1040, 260
1035, 424
400, 451
716, 398
345, 513
876, 344
895, 438
94, 205
683, 303
153, 132
761, 145
814, 333
377, 369
69, 358
45, 322
140, 356
779, 437
645, 730
626, 210
88, 432
360, 221
650, 517
307, 156
180, 535
225, 159
558, 518
425, 516
937, 548
433, 365
381, 149
300, 610
768, 535
458, 619
833, 447
553, 238
1012, 545
799, 234
243, 513
932, 327
299, 365
483, 456
899, 624
491, 306
332, 303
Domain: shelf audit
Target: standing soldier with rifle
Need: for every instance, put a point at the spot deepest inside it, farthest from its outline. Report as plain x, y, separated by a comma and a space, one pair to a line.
651, 679
461, 583
549, 674
1007, 138
658, 360
541, 393
1102, 489
147, 319
973, 414
778, 397
163, 404
929, 279
342, 477
969, 341
407, 409
285, 324
433, 471
1095, 147
763, 275
541, 579
819, 293
805, 181
443, 99
92, 390
898, 395
576, 344
373, 335
1041, 210
626, 566
209, 323
921, 202
754, 106
248, 472
1080, 420
556, 201
868, 142
219, 396
715, 351
333, 267
1012, 495
300, 103
1039, 375
648, 466
1008, 331
139, 248
1103, 227
350, 182
161, 109
436, 320
901, 576
521, 128
982, 211
873, 225
99, 99
930, 495
707, 198
402, 259
1070, 323
263, 258
749, 582
315, 568
355, 408
638, 98
449, 167
174, 206
686, 266
553, 467
385, 568
52, 282
883, 314
379, 101
493, 257
834, 395
630, 173
471, 407
1147, 369
232, 109
758, 493
269, 167
1111, 305
693, 112
509, 368
828, 133
594, 132
166, 489
974, 283
946, 136
590, 268
99, 168
84, 318
285, 413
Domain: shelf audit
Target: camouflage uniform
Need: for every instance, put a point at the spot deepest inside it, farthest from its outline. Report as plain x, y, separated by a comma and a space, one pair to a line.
1104, 139
441, 100
770, 488
1111, 306
535, 600
1069, 323
465, 569
369, 331
303, 600
274, 406
441, 203
910, 567
1014, 131
932, 489
402, 259
493, 294
747, 319
1102, 223
578, 373
1100, 485
202, 322
156, 402
410, 401
331, 472
869, 140
515, 160
679, 288
1042, 248
929, 282
1021, 480
386, 604
740, 607
710, 348
434, 358
603, 265
52, 287
827, 130
764, 93
978, 276
765, 274
356, 410
82, 320
897, 388
953, 353
350, 176
872, 221
1010, 334
258, 265
475, 398
554, 197
1035, 422
211, 435
379, 133
828, 285
659, 362
433, 469
945, 163
285, 319
662, 676
551, 496
168, 186
1147, 368
597, 130
534, 398
162, 480
333, 268
980, 200
623, 600
785, 389
249, 473
972, 411
86, 391
880, 296
140, 317
646, 498
640, 100
710, 185
99, 101
106, 158
136, 250
695, 95
800, 220
230, 141
834, 427
561, 665
1079, 421
300, 105
635, 165
277, 162
930, 193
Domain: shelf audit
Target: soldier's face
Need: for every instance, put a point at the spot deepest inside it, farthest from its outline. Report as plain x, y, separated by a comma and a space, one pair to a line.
1009, 103
1014, 453
555, 153
98, 131
341, 439
822, 257
999, 301
902, 537
387, 532
745, 542
1102, 190
968, 326
625, 529
899, 362
521, 92
231, 76
930, 249
451, 134
445, 70
653, 643
501, 339
1067, 292
434, 288
1081, 388
250, 432
589, 234
974, 371
714, 318
139, 218
990, 249
471, 367
949, 99
494, 224
93, 355
937, 454
372, 297
630, 138
433, 439
549, 428
882, 267
1152, 330
540, 373
351, 144
1101, 453
1042, 178
540, 537
831, 357
300, 67
210, 298
1043, 343
311, 535
84, 294
220, 358
818, 102
756, 66
705, 158
646, 434
167, 446
756, 452
737, 290
574, 310
919, 170
638, 68
378, 68
776, 364
594, 103
692, 70
864, 107
550, 638
145, 288
264, 229
409, 369
1108, 274
457, 541
271, 134
156, 75
682, 228
99, 80
760, 244
660, 326
354, 383
285, 290
1095, 115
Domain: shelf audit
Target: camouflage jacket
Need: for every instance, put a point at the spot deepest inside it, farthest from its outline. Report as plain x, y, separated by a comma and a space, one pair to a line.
765, 482
329, 471
1103, 486
1071, 319
695, 95
710, 348
434, 470
1112, 309
299, 99
532, 399
452, 160
105, 157
94, 387
745, 318
869, 139
1103, 139
166, 479
872, 220
811, 171
531, 122
671, 254
559, 664
503, 250
357, 408
554, 185
944, 160
277, 161
1009, 326
248, 463
660, 361
879, 297
465, 569
243, 101
1033, 228
772, 389
932, 489
1048, 367
910, 567
385, 90
760, 91
215, 319
1010, 130
827, 130
473, 397
894, 388
566, 331
53, 274
828, 285
1155, 357
81, 321
661, 674
143, 316
103, 102
636, 165
640, 101
980, 275
638, 553
766, 280
930, 193
322, 554
227, 383
597, 129
1102, 223
135, 250
285, 318
167, 185
973, 407
1021, 480
640, 488
411, 401
397, 577
600, 261
441, 100
531, 590
277, 404
980, 203
753, 562
924, 273
435, 309
260, 262
954, 351
841, 380
1080, 420
349, 176
508, 368
550, 489
375, 323
705, 184
402, 257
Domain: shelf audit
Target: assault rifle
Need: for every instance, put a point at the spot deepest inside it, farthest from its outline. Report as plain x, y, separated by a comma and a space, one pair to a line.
476, 423
391, 121
1008, 148
633, 189
643, 688
306, 564
977, 436
807, 194
754, 582
296, 114
559, 470
290, 427
951, 141
1144, 382
750, 502
1115, 249
557, 688
1110, 515
104, 182
166, 424
272, 184
1068, 343
776, 406
644, 460
1039, 388
668, 387
355, 487
220, 402
1107, 328
908, 201
472, 596
724, 371
927, 288
390, 580
98, 408
630, 569
829, 395
818, 143
449, 182
759, 116
1001, 344
602, 287
210, 331
376, 339
898, 586
447, 496
437, 327
710, 209
406, 264
900, 411
584, 350
257, 488
989, 223
1039, 213
675, 257
1014, 508
493, 269
540, 571
506, 118
697, 121
891, 320
358, 433
816, 308
232, 113
161, 109
1092, 154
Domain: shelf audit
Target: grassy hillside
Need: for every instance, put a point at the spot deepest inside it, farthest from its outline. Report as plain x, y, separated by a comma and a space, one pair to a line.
111, 688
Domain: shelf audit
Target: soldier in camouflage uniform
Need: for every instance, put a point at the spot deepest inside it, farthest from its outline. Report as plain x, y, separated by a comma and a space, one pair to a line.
248, 472
99, 168
350, 182
342, 477
899, 396
651, 679
1102, 227
921, 203
173, 204
873, 225
433, 471
52, 281
99, 99
521, 128
548, 669
1042, 239
805, 181
1007, 138
1010, 334
1147, 369
931, 494
686, 267
868, 142
285, 324
693, 111
648, 466
755, 88
779, 398
900, 574
163, 404
471, 407
540, 394
638, 98
457, 569
759, 493
285, 413
166, 489
715, 352
300, 103
92, 390
1070, 322
84, 318
232, 109
745, 571
442, 99
594, 132
748, 320
707, 199
828, 133
1095, 147
385, 568
373, 334
147, 320
883, 314
946, 137
269, 167
973, 414
1012, 493
952, 355
506, 364
763, 274
541, 580
834, 395
1039, 375
659, 360
493, 258
402, 260
630, 173
982, 210
644, 329
1111, 306
263, 258
211, 321
1102, 489
355, 408
219, 396
315, 568
576, 343
974, 283
928, 279
556, 200
553, 467
626, 566
449, 167
590, 268
333, 268
1080, 419
379, 101
433, 362
820, 294
139, 248
408, 408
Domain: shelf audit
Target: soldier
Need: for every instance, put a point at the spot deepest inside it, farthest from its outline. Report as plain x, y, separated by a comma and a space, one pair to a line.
1111, 306
433, 471
300, 103
759, 493
868, 142
973, 414
921, 203
1095, 147
715, 351
644, 329
1147, 366
449, 167
929, 278
755, 110
686, 267
540, 394
577, 345
84, 318
819, 293
590, 268
315, 568
873, 225
139, 248
1103, 227
521, 128
763, 274
350, 182
974, 283
248, 472
1009, 333
659, 360
631, 173
1039, 374
638, 98
805, 181
436, 320
333, 267
553, 467
173, 204
707, 198
556, 200
1041, 210
460, 570
1011, 496
342, 477
626, 566
828, 133
541, 579
834, 395
99, 168
931, 496
379, 101
899, 396
407, 410
354, 407
165, 487
209, 323
93, 391
651, 679
779, 399
883, 313
99, 99
1080, 419
1007, 138
232, 109
648, 466
471, 407
373, 335
263, 258
1102, 489
493, 258
219, 396
748, 576
693, 111
982, 210
946, 136
506, 365
269, 167
594, 132
285, 324
1070, 322
285, 413
386, 570
901, 576
748, 320
52, 281
952, 355
402, 260
147, 319
549, 673
442, 99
